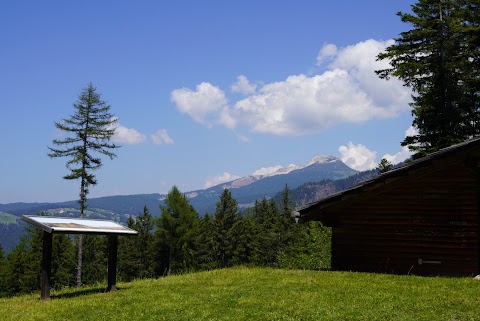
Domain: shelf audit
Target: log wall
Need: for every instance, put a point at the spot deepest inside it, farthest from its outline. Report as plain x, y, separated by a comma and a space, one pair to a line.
427, 225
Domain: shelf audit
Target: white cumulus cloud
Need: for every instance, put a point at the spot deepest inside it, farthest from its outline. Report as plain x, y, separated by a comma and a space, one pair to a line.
243, 86
129, 136
399, 157
161, 137
348, 92
200, 103
305, 105
411, 131
326, 52
405, 153
358, 157
360, 62
219, 179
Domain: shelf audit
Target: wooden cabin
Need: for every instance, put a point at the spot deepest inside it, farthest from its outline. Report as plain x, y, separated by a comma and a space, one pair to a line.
422, 218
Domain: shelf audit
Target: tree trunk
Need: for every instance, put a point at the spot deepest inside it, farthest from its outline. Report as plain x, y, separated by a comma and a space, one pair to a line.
79, 259
169, 269
80, 236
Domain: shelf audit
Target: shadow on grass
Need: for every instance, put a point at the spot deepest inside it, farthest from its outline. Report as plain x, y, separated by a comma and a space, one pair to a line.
80, 292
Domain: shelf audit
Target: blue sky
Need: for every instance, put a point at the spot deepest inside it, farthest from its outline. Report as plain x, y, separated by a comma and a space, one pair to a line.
204, 91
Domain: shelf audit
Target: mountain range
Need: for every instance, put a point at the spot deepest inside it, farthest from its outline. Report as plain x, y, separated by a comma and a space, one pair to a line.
245, 190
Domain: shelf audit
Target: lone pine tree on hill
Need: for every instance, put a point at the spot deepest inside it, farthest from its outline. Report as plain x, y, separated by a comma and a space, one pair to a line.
89, 131
439, 59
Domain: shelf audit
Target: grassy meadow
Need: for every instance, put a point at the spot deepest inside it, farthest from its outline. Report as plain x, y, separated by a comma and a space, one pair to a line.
260, 294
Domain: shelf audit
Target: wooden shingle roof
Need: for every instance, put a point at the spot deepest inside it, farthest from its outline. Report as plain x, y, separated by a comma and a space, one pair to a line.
467, 152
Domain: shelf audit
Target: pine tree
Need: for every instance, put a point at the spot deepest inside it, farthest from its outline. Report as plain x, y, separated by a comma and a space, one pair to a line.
287, 204
226, 215
144, 226
95, 259
22, 271
290, 232
18, 280
176, 235
128, 257
246, 232
311, 249
3, 268
90, 129
63, 262
24, 263
439, 59
268, 233
384, 166
206, 245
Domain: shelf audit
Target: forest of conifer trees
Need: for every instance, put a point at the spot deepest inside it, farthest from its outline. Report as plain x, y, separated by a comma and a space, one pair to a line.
179, 241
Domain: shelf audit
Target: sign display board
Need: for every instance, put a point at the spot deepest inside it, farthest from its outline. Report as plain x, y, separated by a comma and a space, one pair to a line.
66, 225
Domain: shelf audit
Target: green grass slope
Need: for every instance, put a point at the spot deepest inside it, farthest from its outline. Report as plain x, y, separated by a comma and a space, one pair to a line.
261, 294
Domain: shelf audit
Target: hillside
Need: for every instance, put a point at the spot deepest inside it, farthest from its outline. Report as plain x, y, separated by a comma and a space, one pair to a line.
314, 191
260, 294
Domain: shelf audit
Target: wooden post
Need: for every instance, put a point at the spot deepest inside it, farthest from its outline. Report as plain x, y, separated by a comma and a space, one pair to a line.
112, 262
46, 272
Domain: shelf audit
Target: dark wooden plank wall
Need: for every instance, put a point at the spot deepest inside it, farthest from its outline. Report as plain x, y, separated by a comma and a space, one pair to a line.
433, 218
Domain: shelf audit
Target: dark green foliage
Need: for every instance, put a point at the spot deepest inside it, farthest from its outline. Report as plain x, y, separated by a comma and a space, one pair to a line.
95, 258
439, 59
246, 232
290, 232
286, 204
176, 235
128, 255
16, 269
135, 253
23, 264
206, 245
3, 268
280, 242
265, 235
144, 225
267, 223
310, 249
384, 166
225, 237
63, 262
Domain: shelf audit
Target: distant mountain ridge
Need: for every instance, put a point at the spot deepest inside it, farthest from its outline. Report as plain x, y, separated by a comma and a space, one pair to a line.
262, 173
246, 190
311, 180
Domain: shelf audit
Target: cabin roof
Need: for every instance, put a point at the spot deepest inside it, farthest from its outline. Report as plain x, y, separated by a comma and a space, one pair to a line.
467, 151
